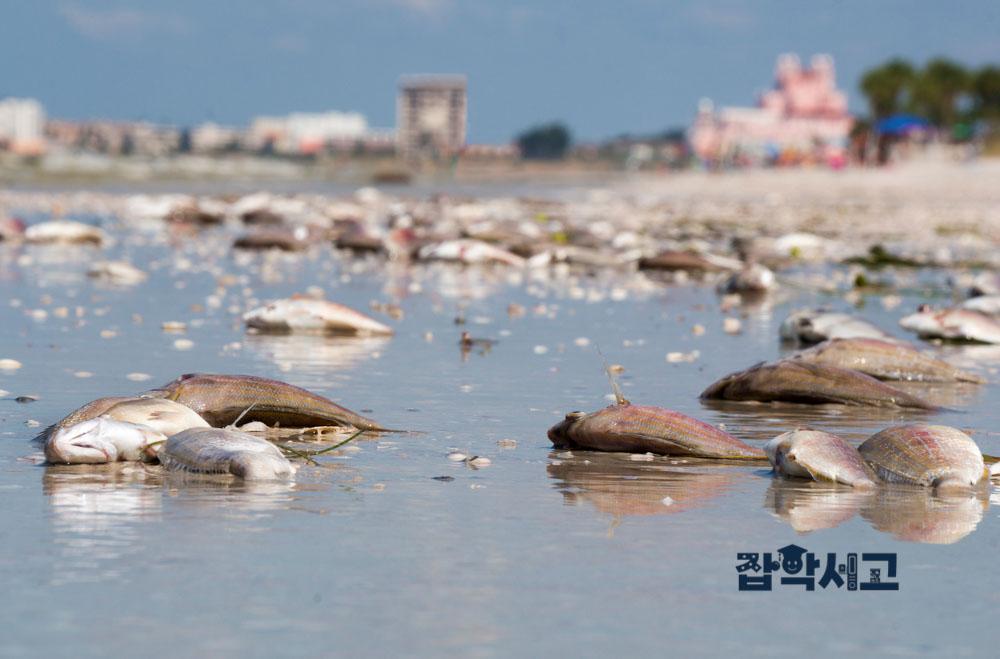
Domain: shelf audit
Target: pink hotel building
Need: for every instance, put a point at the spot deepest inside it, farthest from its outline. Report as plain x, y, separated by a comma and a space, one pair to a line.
804, 114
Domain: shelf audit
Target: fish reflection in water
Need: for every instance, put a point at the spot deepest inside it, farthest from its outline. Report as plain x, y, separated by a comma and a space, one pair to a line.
222, 492
810, 506
915, 514
321, 355
617, 485
764, 421
99, 511
97, 514
911, 514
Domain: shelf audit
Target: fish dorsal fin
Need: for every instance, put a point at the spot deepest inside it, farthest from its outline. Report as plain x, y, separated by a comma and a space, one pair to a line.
232, 426
615, 389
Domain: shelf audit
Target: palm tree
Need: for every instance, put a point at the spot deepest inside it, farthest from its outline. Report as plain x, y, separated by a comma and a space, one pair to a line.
887, 87
938, 89
986, 93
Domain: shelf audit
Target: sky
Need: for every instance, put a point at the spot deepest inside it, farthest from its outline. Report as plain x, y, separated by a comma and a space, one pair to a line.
603, 68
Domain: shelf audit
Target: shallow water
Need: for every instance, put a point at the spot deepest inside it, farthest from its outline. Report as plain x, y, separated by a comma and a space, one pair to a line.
371, 553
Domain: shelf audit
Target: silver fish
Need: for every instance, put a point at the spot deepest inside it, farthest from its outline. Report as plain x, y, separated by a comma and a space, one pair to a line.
953, 325
162, 415
224, 451
815, 325
753, 278
298, 314
987, 304
920, 454
101, 440
819, 456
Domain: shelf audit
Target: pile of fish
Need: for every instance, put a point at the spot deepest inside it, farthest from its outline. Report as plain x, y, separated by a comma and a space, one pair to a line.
849, 365
931, 456
188, 425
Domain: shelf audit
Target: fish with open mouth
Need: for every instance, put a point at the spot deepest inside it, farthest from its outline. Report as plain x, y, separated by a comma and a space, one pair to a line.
160, 414
641, 428
91, 410
884, 360
100, 440
221, 399
224, 451
819, 456
793, 381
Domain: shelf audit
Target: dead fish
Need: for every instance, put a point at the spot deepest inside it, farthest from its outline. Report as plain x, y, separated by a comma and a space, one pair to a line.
640, 429
470, 251
986, 283
262, 216
91, 410
162, 415
286, 240
953, 325
573, 255
885, 360
987, 304
101, 440
194, 214
676, 260
754, 278
117, 272
920, 454
793, 381
221, 399
224, 451
820, 456
360, 242
814, 325
64, 231
307, 315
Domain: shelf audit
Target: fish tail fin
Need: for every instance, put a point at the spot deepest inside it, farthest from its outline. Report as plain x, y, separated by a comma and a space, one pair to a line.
44, 435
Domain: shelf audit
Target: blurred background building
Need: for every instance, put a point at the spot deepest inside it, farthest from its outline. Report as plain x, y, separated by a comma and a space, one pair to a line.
22, 126
803, 117
305, 132
431, 116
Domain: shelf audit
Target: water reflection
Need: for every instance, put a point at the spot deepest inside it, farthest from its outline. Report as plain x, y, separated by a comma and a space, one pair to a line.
326, 356
919, 515
225, 494
615, 484
911, 514
763, 421
807, 506
97, 513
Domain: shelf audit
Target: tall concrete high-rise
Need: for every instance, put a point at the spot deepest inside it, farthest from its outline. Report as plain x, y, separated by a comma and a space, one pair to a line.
431, 116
